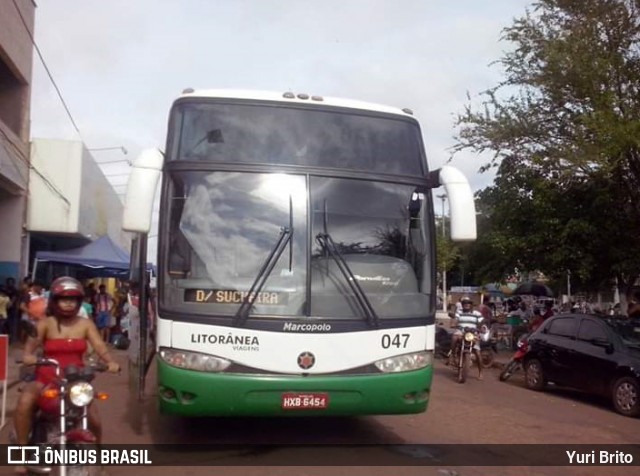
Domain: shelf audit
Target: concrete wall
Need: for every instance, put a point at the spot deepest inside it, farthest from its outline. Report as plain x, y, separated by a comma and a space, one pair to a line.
16, 60
100, 210
69, 194
14, 38
54, 192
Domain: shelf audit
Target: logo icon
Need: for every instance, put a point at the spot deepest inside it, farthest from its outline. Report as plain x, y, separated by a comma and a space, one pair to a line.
23, 454
306, 360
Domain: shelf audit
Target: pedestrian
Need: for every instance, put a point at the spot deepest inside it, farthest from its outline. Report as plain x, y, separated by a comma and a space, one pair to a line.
90, 292
536, 320
633, 310
119, 298
4, 311
103, 309
485, 310
33, 305
87, 307
13, 311
548, 310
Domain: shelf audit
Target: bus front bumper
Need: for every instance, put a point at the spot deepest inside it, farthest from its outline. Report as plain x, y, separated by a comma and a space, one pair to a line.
191, 393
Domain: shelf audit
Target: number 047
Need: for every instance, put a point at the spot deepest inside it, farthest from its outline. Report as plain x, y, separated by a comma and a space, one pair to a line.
399, 341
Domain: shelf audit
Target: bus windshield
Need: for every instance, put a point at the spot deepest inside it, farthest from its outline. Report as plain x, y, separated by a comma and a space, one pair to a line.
222, 226
240, 132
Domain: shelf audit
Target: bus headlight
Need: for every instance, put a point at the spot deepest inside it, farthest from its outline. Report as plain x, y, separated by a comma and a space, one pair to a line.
81, 394
194, 360
405, 363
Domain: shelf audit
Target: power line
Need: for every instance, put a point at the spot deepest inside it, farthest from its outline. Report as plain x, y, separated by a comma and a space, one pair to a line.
19, 155
46, 67
114, 162
120, 147
28, 163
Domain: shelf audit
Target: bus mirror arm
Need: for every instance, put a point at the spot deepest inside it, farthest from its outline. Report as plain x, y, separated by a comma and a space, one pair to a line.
141, 188
462, 209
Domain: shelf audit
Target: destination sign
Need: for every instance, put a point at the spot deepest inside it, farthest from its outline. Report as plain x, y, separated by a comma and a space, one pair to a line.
231, 296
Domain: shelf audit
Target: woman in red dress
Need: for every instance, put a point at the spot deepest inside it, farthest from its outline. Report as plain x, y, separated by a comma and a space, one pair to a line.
63, 336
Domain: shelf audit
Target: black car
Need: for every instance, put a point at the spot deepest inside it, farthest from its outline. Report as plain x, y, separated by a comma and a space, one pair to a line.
595, 354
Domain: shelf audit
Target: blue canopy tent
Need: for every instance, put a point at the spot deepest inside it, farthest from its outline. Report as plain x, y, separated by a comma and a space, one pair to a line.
493, 290
101, 258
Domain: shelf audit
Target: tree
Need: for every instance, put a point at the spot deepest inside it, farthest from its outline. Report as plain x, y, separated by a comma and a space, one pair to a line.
447, 253
563, 128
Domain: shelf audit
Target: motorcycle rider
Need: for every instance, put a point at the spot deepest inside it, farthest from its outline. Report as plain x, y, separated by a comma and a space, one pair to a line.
63, 334
467, 317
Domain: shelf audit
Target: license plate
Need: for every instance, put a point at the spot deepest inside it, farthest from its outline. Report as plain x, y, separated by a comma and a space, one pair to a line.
305, 401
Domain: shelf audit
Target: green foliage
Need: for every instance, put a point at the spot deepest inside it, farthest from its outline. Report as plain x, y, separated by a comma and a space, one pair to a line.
564, 131
447, 253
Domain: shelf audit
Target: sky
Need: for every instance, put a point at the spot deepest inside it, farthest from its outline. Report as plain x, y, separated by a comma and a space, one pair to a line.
119, 64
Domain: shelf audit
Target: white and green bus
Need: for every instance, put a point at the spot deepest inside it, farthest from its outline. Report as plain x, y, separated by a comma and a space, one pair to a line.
296, 255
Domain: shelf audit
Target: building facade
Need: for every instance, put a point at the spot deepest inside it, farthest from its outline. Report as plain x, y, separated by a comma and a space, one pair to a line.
71, 202
16, 62
53, 194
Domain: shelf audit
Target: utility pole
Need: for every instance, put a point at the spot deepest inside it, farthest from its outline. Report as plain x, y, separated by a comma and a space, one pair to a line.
443, 197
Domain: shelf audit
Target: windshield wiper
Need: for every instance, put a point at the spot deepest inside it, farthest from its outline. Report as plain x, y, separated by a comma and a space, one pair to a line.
286, 233
262, 276
327, 244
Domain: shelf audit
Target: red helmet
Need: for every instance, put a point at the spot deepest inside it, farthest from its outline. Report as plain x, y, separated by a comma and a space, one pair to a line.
65, 287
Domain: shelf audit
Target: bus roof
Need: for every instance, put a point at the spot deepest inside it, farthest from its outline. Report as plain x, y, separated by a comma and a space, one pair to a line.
289, 96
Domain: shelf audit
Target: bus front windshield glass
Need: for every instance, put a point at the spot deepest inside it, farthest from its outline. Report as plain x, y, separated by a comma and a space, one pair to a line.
222, 226
277, 134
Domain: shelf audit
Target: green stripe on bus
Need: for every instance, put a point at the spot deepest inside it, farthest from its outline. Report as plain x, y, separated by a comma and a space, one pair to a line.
191, 393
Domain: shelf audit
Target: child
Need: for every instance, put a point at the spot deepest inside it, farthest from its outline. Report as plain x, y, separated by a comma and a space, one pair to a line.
87, 306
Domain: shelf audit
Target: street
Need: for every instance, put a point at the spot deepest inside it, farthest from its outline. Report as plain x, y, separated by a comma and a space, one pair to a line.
477, 412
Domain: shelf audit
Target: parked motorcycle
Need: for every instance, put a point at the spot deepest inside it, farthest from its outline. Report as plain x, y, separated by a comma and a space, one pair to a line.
62, 414
519, 332
515, 363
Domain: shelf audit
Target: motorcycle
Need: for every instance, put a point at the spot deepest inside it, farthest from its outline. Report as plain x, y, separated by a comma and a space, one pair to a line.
62, 414
516, 361
488, 346
519, 332
463, 351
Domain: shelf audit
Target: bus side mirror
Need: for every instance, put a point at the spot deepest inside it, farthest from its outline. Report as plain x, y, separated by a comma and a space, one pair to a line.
461, 204
141, 191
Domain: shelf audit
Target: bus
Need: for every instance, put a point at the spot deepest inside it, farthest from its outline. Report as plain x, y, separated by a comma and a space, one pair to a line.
296, 255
